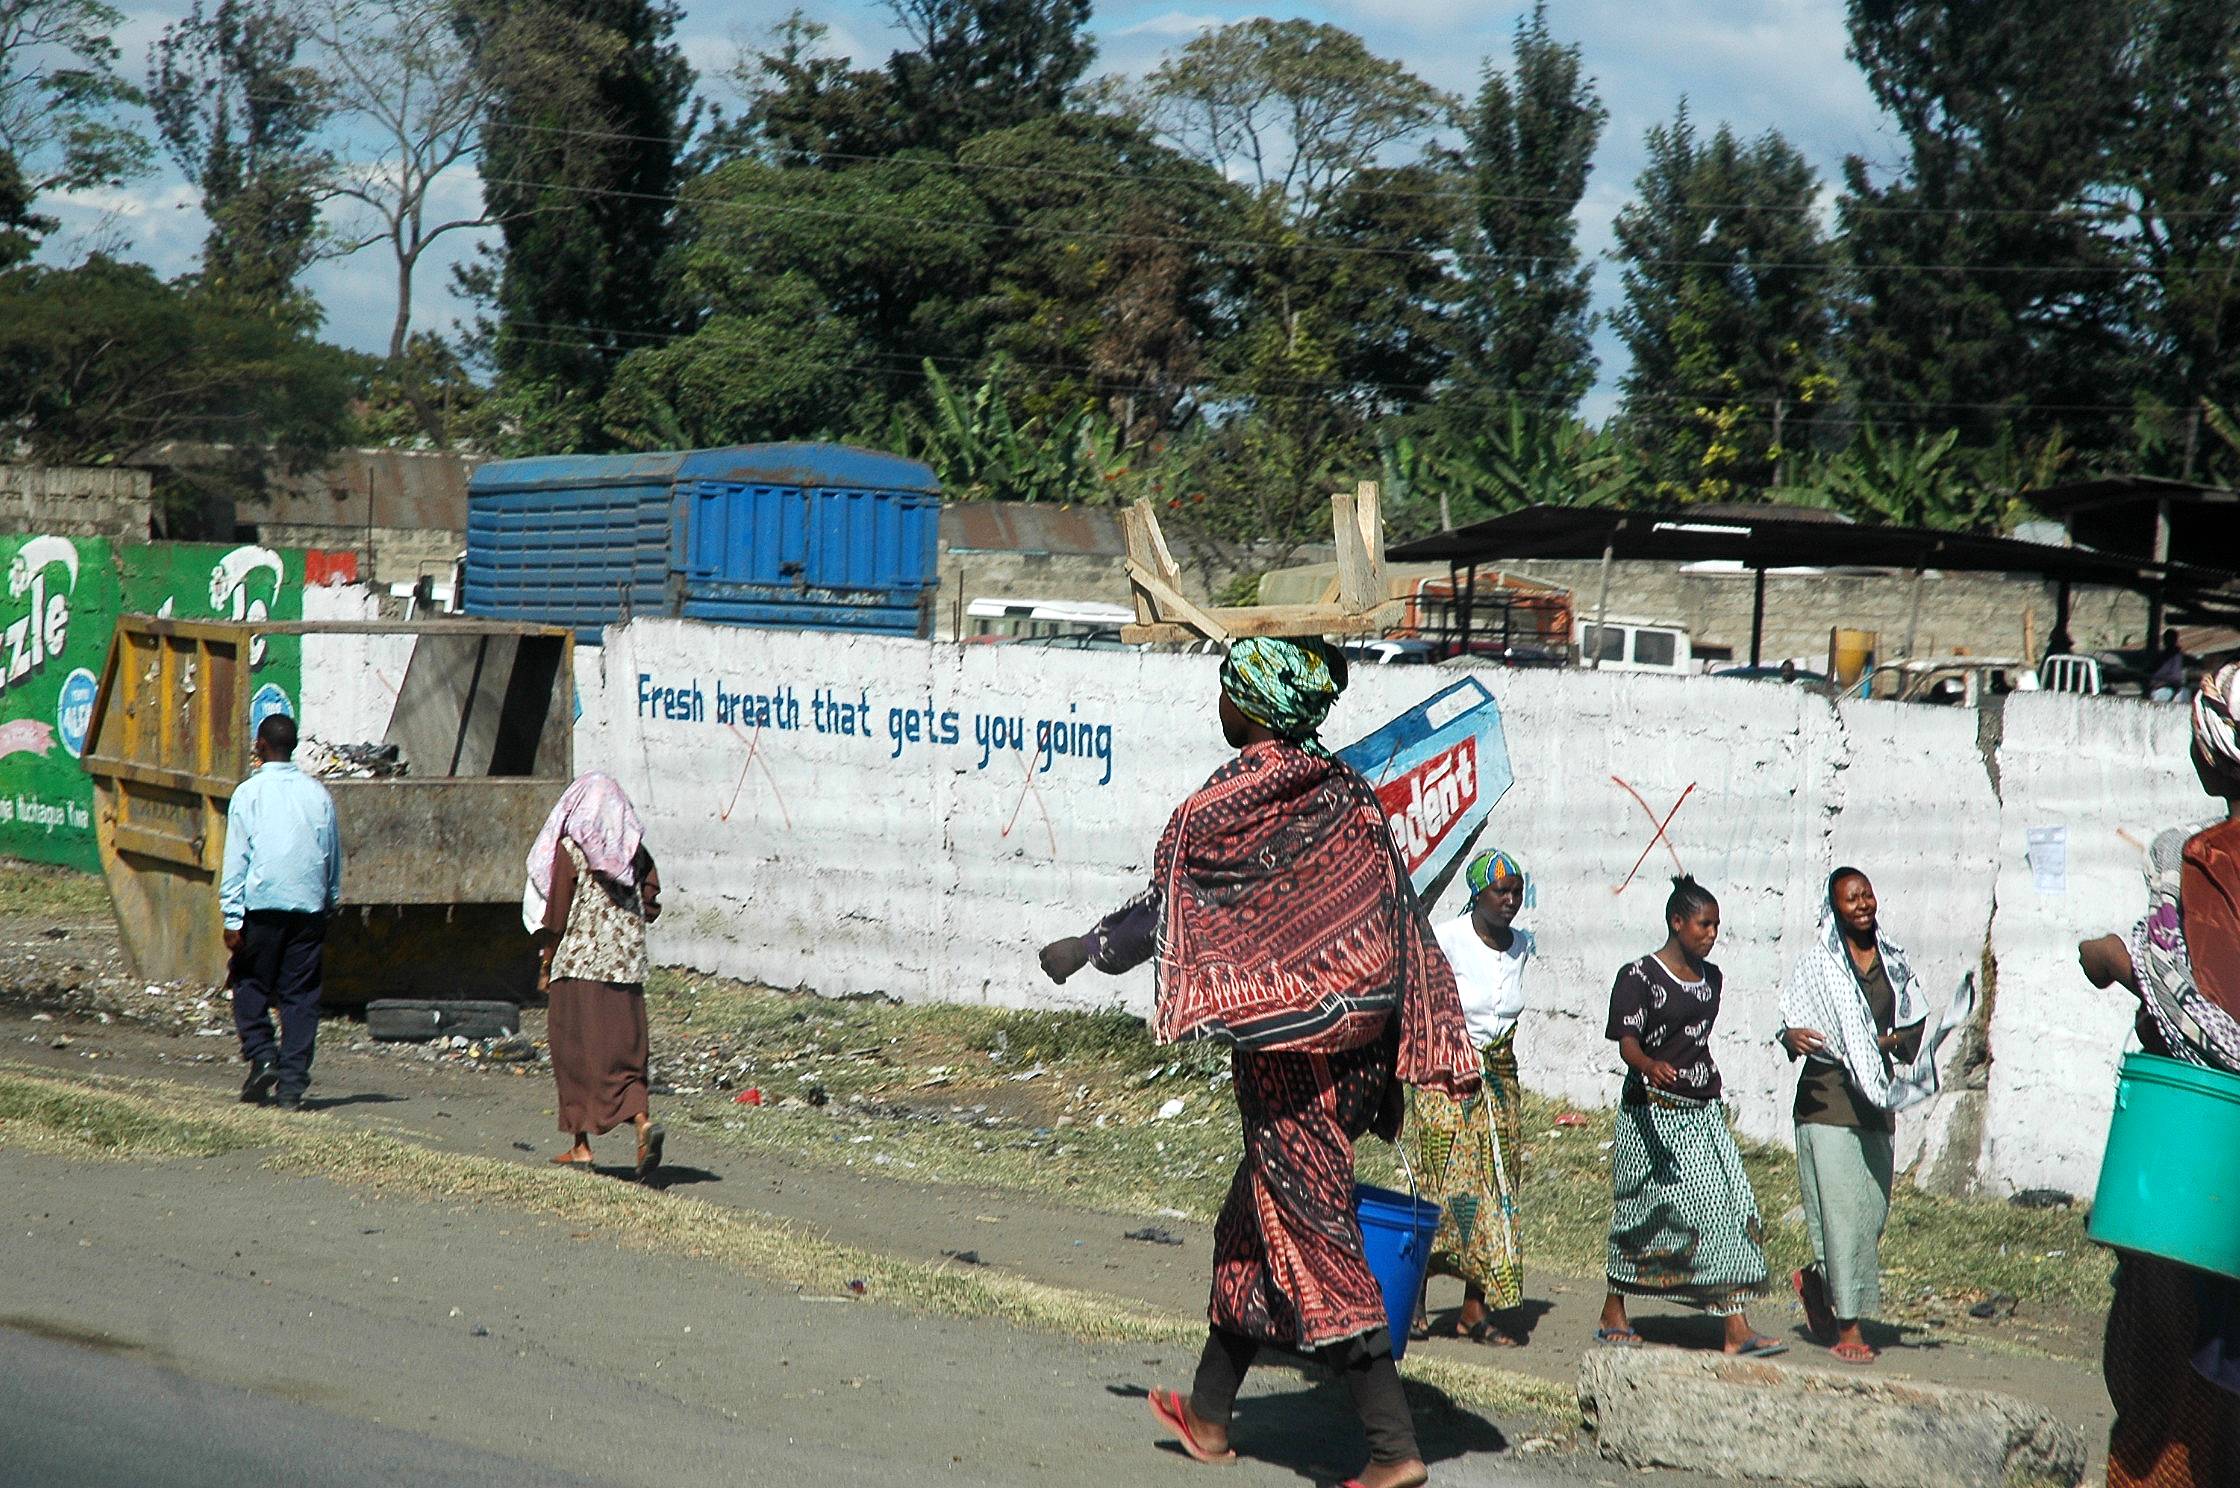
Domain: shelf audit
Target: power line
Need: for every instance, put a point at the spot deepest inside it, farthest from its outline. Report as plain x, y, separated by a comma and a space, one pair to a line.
1794, 409
931, 161
1831, 265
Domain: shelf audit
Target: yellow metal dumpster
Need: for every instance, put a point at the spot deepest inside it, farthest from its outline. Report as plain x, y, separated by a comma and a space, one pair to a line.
432, 859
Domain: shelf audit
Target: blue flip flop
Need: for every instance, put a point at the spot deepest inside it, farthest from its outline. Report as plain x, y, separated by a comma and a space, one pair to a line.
1761, 1347
1618, 1337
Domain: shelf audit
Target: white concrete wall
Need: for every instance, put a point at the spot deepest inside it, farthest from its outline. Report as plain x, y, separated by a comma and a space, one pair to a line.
2113, 773
800, 855
350, 682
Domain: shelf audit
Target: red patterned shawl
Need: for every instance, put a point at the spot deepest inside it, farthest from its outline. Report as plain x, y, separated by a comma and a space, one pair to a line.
1288, 923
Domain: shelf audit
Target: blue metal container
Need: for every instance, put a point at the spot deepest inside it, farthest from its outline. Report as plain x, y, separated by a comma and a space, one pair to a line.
791, 536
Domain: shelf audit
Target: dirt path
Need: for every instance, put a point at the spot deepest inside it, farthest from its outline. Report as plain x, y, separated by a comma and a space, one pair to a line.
495, 1112
493, 1345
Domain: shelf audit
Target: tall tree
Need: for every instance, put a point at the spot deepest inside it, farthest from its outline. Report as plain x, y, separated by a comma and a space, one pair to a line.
966, 68
104, 361
1297, 109
1726, 305
401, 83
2174, 193
979, 65
61, 97
578, 281
1984, 291
1108, 279
1528, 146
240, 110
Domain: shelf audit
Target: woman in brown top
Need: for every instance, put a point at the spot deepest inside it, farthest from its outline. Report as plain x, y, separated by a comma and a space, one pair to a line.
593, 890
1850, 1006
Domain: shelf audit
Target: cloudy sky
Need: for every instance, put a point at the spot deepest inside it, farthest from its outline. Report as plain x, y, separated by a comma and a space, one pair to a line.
1756, 64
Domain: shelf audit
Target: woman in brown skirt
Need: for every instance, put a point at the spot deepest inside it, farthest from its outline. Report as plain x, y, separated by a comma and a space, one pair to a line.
592, 892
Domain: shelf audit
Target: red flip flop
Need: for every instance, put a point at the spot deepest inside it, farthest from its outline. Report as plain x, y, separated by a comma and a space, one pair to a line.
1167, 1407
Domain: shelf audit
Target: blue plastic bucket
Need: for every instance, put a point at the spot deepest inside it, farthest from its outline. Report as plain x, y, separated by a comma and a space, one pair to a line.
1396, 1231
2170, 1178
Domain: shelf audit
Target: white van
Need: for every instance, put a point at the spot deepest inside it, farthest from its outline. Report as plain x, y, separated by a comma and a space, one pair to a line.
1636, 646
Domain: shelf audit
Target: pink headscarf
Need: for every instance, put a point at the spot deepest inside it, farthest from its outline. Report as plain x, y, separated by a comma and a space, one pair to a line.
594, 813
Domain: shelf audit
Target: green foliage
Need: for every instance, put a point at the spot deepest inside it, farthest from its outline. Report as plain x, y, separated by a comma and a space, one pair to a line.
2174, 209
982, 451
1499, 456
578, 282
422, 399
783, 369
969, 68
239, 111
1981, 282
102, 362
1098, 287
1725, 306
975, 66
1297, 108
1528, 146
1929, 480
61, 98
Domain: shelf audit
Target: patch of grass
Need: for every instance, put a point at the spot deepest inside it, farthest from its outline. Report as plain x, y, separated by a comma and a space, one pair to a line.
110, 1127
42, 889
932, 1090
650, 1220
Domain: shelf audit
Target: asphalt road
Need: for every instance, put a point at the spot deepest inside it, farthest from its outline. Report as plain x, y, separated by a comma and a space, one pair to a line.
176, 1324
77, 1415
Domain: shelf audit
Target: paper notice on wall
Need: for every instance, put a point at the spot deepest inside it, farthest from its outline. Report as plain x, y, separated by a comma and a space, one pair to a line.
2049, 859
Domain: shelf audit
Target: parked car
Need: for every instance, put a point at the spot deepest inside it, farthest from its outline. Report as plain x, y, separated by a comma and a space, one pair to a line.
1624, 645
1790, 673
1953, 681
1078, 640
1390, 653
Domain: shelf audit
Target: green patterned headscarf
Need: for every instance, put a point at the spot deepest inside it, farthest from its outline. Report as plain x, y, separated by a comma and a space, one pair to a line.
1287, 687
1490, 869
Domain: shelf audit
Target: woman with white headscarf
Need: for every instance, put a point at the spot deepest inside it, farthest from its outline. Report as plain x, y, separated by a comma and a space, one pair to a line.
1852, 1011
592, 891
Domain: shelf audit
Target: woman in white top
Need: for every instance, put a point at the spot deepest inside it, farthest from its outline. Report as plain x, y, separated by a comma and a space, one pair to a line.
1467, 1153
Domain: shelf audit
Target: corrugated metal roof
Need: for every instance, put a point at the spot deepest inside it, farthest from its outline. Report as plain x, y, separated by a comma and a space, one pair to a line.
1019, 527
1776, 538
822, 465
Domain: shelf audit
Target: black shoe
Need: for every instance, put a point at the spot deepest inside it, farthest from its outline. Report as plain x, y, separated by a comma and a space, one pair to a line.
290, 1102
264, 1076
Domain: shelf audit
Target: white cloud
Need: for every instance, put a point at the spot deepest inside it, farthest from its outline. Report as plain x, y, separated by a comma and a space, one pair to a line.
1174, 25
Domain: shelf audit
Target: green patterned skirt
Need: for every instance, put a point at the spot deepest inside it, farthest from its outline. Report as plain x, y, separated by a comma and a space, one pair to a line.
1684, 1224
1469, 1159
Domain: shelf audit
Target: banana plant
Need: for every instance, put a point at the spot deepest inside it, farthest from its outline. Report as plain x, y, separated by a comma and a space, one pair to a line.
983, 452
1523, 457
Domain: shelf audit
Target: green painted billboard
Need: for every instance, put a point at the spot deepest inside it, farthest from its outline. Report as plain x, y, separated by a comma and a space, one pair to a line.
62, 601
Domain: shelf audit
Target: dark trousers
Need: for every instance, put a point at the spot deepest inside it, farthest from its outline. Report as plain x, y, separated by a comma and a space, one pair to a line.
1364, 1364
277, 970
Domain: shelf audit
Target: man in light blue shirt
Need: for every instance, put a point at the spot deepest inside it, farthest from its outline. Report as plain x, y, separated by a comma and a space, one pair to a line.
282, 879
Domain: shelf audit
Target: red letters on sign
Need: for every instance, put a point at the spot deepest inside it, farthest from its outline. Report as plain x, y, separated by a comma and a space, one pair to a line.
1424, 804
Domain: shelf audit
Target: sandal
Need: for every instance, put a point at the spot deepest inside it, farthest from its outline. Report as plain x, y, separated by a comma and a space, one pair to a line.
1420, 1329
1166, 1405
1855, 1353
1486, 1332
1618, 1337
1758, 1346
1819, 1318
649, 1150
565, 1161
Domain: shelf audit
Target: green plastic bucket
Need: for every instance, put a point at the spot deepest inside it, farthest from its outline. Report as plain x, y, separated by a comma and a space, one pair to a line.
2170, 1179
